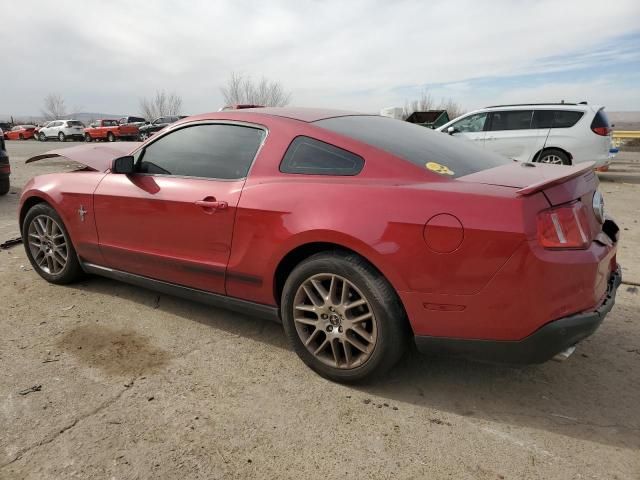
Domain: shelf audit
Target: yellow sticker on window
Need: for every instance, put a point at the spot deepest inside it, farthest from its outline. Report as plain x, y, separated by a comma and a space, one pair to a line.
437, 168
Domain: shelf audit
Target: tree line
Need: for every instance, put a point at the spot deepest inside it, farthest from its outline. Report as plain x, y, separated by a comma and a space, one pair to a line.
240, 90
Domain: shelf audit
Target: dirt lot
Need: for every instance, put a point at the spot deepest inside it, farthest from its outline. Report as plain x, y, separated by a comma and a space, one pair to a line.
137, 385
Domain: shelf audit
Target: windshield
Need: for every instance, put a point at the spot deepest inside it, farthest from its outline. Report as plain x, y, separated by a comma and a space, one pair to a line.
421, 146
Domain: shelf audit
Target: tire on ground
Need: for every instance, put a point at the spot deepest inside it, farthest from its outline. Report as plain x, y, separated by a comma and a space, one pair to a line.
391, 323
72, 270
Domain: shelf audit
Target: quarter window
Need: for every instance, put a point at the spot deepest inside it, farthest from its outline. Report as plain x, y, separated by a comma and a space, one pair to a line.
309, 156
472, 123
511, 120
555, 118
208, 151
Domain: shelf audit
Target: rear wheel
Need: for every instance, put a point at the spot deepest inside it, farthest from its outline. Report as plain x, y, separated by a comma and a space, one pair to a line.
4, 185
62, 137
111, 137
48, 245
554, 156
342, 317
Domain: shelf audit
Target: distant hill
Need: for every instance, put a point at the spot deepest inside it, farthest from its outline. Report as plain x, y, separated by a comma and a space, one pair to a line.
624, 120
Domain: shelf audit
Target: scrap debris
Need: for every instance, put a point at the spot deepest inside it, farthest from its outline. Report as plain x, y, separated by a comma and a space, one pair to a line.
27, 391
10, 243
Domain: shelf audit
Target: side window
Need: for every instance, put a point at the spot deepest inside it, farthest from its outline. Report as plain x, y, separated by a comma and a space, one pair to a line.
472, 123
555, 118
511, 120
207, 151
309, 156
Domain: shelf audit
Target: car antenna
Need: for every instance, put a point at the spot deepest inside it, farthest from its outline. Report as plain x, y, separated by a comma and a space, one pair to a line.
547, 136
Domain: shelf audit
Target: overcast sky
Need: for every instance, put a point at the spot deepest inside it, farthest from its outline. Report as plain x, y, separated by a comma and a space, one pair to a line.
102, 56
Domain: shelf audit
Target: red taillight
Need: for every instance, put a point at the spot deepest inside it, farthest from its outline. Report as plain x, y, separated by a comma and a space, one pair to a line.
5, 168
604, 131
564, 227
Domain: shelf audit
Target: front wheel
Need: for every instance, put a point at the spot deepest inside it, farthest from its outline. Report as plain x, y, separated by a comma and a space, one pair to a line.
48, 245
142, 136
42, 137
111, 137
554, 156
87, 138
62, 137
343, 318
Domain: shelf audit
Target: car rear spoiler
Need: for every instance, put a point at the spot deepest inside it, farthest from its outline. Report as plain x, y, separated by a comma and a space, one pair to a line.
567, 174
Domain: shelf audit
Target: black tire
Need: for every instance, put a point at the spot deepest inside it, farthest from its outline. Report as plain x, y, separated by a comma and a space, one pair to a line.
72, 270
111, 137
142, 136
553, 156
5, 185
87, 138
21, 137
62, 137
391, 323
42, 137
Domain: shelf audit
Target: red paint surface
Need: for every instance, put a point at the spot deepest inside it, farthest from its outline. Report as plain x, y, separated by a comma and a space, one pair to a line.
500, 282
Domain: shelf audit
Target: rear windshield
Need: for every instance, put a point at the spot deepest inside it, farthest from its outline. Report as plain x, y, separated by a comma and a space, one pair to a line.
600, 120
74, 123
421, 146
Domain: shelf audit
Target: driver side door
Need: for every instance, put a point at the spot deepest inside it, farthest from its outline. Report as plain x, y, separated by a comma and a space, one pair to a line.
172, 219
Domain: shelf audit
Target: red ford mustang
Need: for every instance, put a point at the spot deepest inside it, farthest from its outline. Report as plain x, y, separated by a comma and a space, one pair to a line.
357, 232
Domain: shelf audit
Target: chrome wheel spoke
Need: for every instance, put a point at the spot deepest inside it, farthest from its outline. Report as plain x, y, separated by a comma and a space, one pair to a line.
334, 321
47, 244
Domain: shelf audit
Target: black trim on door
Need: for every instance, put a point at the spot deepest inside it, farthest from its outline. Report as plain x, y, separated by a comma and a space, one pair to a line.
243, 306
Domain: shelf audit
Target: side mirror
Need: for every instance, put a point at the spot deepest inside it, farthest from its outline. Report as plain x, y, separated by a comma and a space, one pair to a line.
123, 165
452, 130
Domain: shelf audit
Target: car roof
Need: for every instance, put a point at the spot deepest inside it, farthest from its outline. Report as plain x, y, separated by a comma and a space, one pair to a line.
544, 106
296, 113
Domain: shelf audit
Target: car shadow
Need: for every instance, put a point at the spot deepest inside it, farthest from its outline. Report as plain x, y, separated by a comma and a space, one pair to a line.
592, 396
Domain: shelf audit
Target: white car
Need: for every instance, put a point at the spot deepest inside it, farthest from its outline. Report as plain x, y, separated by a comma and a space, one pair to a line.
563, 133
62, 130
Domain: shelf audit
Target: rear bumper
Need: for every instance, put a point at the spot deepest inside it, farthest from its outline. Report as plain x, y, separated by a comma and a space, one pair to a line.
540, 346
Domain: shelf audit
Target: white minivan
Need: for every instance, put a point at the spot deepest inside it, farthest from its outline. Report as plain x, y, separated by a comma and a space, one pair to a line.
563, 133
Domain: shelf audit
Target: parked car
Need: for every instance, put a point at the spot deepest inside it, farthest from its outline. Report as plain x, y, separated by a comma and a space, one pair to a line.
20, 132
110, 130
5, 167
138, 121
145, 131
562, 134
62, 130
357, 232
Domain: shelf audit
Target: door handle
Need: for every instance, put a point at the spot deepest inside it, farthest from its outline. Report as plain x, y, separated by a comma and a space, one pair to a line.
212, 204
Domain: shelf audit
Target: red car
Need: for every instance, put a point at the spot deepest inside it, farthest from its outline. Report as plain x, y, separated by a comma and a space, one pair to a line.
21, 132
110, 130
357, 232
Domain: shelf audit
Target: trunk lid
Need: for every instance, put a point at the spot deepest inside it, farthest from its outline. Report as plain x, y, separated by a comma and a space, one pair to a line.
560, 185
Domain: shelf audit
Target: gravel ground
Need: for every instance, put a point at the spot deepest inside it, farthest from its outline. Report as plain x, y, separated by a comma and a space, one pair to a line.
132, 384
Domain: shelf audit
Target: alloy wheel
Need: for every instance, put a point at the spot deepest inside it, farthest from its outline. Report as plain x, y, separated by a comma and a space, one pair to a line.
48, 244
553, 159
335, 321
